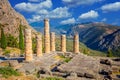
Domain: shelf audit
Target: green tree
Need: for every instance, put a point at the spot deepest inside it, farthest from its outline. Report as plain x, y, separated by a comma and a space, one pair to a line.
21, 38
109, 54
12, 41
3, 40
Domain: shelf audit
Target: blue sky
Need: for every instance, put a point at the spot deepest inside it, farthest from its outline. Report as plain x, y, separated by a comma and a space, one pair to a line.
69, 11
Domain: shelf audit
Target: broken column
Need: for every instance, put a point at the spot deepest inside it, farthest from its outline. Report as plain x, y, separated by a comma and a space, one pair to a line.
46, 36
28, 45
76, 43
63, 43
39, 45
52, 40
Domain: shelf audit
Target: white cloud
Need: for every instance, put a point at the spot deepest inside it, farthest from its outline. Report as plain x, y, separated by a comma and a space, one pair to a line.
34, 0
68, 21
67, 0
60, 12
80, 2
35, 18
43, 11
104, 19
32, 7
89, 15
111, 7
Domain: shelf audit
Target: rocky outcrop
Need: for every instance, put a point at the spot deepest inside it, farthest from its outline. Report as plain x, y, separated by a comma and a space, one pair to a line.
10, 19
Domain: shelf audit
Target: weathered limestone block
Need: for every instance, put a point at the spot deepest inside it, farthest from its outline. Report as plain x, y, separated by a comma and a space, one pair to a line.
52, 40
39, 45
28, 45
63, 43
76, 43
46, 36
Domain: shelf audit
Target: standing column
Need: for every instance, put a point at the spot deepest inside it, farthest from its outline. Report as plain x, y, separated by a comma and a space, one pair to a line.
63, 43
28, 45
39, 45
76, 43
46, 36
52, 40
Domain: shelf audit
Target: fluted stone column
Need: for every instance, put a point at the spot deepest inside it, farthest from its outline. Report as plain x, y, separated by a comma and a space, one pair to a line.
28, 45
52, 40
76, 43
39, 45
63, 43
46, 36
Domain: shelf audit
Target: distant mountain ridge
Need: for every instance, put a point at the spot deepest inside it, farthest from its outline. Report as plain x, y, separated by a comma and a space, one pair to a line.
98, 36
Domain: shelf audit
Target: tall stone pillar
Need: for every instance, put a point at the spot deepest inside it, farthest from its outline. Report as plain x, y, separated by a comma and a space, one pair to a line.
52, 40
39, 45
46, 36
63, 43
76, 43
28, 45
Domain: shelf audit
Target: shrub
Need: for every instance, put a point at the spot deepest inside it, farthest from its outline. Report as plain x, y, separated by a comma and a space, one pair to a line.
85, 51
8, 71
110, 54
65, 59
6, 52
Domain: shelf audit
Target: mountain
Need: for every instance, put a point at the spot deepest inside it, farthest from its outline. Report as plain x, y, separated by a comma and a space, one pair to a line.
10, 19
95, 35
111, 41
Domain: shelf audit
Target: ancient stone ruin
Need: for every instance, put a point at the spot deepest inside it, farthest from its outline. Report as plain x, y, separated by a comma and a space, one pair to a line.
49, 42
63, 43
28, 45
49, 63
39, 46
76, 43
46, 36
52, 40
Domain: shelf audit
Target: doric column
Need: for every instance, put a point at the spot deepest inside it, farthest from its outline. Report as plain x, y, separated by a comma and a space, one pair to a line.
28, 45
63, 43
39, 45
76, 43
52, 40
46, 36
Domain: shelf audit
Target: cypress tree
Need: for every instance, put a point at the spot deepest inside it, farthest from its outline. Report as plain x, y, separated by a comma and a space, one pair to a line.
3, 40
21, 38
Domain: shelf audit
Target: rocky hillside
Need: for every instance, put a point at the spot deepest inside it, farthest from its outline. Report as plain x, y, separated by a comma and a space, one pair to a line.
99, 36
10, 19
111, 41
